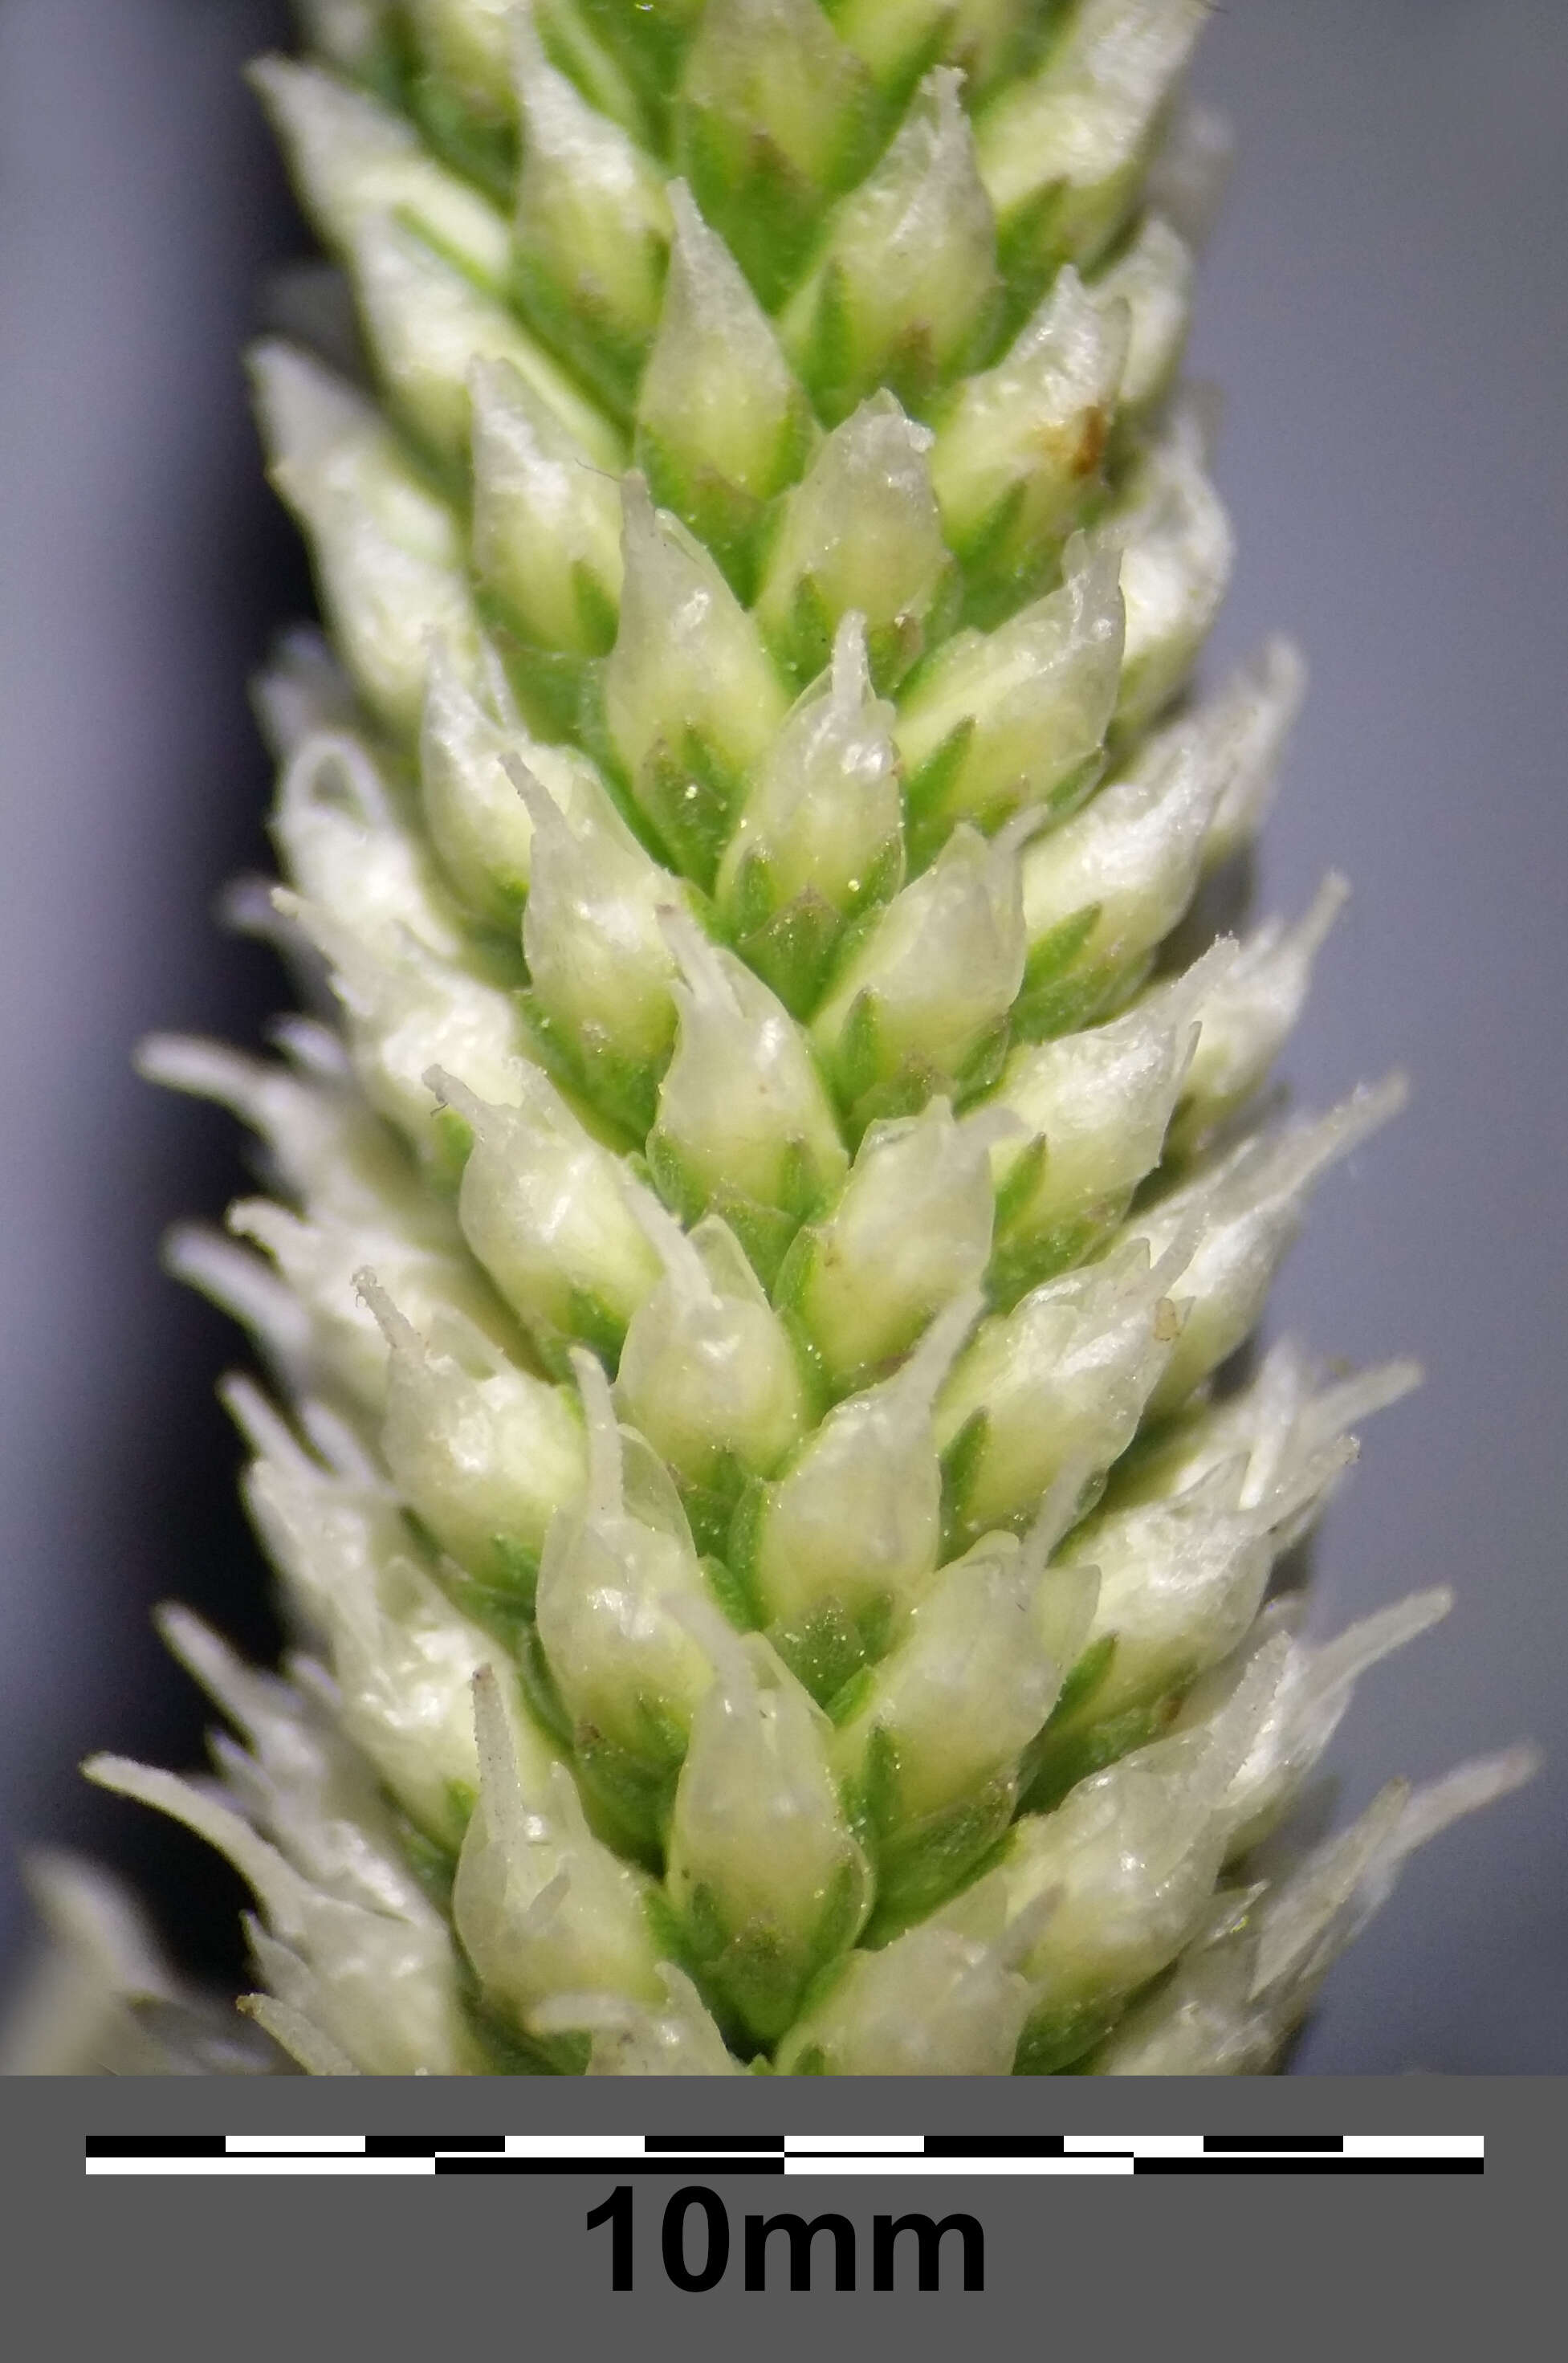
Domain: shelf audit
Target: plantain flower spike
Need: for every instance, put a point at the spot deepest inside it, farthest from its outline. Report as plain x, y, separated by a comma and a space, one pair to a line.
752, 1243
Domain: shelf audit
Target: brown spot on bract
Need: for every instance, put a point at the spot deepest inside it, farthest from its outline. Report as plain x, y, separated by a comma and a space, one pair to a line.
1092, 439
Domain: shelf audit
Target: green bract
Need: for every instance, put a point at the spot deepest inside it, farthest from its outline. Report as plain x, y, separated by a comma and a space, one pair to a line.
780, 1581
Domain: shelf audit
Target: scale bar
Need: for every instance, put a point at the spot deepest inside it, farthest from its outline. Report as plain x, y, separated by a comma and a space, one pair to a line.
900, 2156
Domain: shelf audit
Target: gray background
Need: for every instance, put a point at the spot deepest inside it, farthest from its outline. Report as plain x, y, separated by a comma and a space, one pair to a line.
1386, 309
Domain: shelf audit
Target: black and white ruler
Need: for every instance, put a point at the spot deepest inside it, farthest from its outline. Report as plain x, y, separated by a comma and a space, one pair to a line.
918, 2154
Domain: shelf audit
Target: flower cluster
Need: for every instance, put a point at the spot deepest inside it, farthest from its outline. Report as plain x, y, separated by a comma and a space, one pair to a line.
760, 1222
